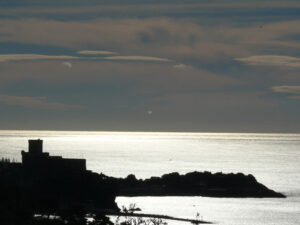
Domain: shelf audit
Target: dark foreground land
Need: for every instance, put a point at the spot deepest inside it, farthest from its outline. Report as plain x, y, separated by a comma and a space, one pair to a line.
48, 185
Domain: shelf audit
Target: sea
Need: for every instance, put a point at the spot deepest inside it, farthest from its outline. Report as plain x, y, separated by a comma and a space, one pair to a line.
274, 159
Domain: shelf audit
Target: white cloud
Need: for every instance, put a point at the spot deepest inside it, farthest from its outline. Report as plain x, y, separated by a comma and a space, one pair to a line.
271, 60
22, 57
286, 89
67, 64
35, 102
137, 58
180, 66
97, 52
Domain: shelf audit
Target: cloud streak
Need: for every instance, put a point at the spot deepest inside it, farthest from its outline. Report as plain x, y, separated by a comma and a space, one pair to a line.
137, 58
271, 60
35, 102
24, 57
289, 89
32, 57
96, 52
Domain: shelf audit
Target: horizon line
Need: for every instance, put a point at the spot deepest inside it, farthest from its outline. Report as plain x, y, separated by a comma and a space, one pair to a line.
157, 132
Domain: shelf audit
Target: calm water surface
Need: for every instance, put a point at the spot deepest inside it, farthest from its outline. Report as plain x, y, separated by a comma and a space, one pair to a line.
272, 158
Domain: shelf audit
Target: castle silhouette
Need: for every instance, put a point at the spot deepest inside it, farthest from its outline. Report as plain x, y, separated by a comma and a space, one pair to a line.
36, 159
55, 182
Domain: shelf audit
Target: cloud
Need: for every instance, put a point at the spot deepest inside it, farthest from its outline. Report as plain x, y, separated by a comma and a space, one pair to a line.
35, 102
32, 57
180, 66
271, 60
93, 52
67, 64
23, 57
160, 37
289, 89
137, 58
89, 8
178, 39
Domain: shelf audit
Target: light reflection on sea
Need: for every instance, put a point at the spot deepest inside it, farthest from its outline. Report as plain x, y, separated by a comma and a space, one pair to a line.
272, 158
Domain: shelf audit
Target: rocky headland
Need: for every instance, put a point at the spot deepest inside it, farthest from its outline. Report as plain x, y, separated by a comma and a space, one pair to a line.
195, 184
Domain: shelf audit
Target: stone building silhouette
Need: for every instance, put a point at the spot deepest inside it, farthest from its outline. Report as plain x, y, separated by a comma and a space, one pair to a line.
62, 181
36, 159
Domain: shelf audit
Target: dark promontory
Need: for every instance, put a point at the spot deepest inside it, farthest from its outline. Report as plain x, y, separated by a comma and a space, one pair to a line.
195, 184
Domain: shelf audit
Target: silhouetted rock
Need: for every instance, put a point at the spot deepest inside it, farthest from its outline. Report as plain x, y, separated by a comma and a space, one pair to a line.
195, 184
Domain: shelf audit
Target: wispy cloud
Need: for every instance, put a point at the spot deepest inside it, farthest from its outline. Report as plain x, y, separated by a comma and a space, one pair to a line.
180, 66
271, 60
23, 57
35, 102
289, 89
32, 57
67, 64
96, 52
137, 58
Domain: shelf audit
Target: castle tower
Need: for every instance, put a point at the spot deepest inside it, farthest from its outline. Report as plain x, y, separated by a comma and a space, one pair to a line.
35, 146
35, 157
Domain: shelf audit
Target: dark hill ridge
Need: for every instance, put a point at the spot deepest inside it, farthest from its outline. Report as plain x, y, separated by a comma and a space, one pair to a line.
195, 184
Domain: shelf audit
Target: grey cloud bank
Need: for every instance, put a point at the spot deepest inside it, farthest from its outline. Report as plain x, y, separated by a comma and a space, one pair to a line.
197, 65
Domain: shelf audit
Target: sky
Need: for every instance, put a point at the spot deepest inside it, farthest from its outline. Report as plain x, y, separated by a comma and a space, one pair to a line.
149, 65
